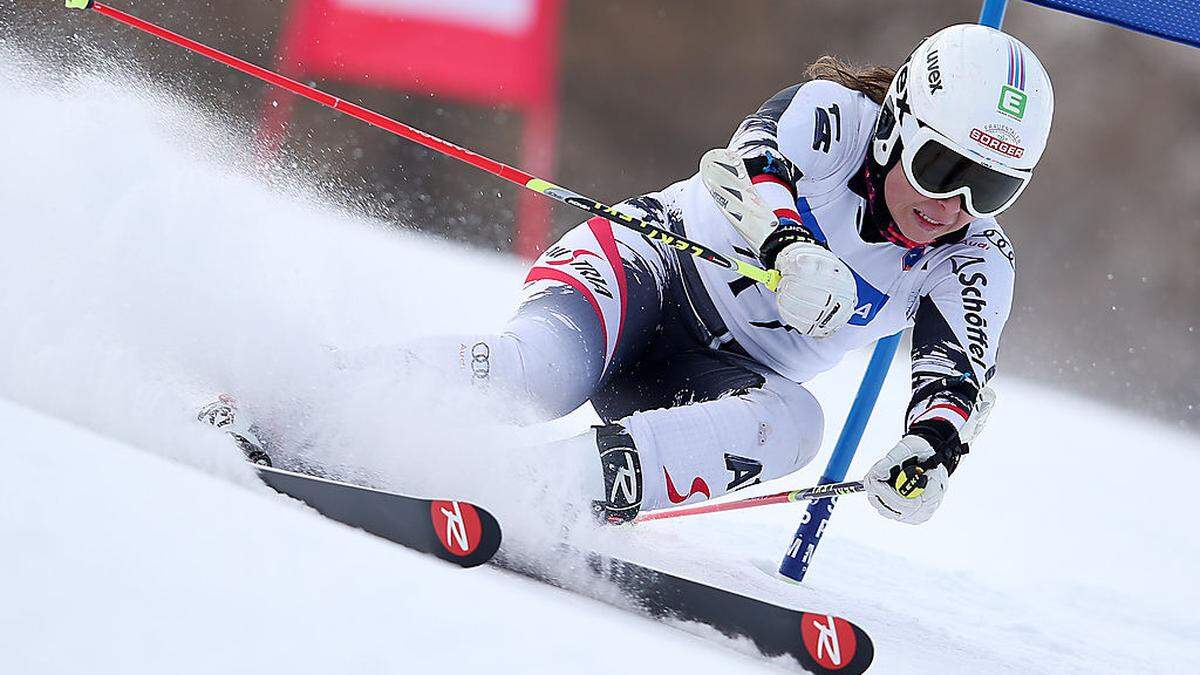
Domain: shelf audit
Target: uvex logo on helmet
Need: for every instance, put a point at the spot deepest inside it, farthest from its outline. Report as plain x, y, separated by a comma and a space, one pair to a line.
933, 73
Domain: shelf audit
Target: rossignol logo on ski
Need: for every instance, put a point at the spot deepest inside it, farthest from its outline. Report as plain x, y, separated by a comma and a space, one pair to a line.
830, 641
457, 526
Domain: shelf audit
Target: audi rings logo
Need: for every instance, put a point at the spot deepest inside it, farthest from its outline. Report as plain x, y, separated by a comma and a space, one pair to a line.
481, 361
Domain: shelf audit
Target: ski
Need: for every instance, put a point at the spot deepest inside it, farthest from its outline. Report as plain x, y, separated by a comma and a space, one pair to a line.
820, 643
468, 535
455, 531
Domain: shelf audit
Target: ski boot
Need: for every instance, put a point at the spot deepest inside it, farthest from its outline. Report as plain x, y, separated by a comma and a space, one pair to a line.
622, 471
222, 414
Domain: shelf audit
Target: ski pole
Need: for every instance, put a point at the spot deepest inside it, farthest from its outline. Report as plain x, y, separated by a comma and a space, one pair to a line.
912, 484
770, 278
817, 492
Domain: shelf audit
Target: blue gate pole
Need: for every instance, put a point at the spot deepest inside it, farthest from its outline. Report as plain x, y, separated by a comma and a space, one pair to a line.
812, 523
992, 13
816, 515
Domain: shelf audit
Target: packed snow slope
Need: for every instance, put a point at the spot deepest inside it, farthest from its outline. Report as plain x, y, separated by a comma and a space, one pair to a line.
149, 262
122, 562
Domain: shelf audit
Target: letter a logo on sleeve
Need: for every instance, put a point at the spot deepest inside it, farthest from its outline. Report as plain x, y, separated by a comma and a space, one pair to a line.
745, 471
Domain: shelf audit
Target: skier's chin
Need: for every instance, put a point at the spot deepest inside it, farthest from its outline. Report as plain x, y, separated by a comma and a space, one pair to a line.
919, 230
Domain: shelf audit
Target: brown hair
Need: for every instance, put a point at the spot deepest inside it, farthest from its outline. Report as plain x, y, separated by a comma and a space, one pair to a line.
872, 81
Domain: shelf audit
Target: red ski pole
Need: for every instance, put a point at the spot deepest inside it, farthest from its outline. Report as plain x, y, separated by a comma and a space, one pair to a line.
817, 492
912, 484
768, 277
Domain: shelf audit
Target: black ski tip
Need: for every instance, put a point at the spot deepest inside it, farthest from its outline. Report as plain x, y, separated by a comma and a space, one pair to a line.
820, 643
455, 531
834, 645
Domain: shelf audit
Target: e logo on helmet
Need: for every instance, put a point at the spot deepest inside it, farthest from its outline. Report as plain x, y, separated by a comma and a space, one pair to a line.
1012, 95
1012, 102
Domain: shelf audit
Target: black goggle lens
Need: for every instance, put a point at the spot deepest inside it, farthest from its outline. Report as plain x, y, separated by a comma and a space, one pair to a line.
940, 169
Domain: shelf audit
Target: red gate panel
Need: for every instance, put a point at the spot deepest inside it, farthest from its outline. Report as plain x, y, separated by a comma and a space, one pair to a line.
481, 52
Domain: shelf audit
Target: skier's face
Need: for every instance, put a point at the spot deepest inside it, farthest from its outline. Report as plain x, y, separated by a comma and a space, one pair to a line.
922, 219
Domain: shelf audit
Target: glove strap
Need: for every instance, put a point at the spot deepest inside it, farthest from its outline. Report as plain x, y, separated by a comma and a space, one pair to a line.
942, 436
785, 235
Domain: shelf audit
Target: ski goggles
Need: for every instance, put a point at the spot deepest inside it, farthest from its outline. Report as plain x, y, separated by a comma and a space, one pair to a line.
937, 170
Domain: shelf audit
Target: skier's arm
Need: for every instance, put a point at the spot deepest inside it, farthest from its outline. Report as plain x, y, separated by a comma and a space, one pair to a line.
755, 183
789, 143
956, 334
773, 174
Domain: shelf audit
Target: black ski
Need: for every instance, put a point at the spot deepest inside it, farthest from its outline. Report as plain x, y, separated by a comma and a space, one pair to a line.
820, 643
457, 531
468, 535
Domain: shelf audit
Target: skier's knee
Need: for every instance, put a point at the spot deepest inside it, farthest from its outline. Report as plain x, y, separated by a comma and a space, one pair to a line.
557, 377
792, 418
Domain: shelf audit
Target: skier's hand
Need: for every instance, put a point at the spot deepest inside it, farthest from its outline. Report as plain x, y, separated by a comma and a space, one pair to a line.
817, 293
906, 485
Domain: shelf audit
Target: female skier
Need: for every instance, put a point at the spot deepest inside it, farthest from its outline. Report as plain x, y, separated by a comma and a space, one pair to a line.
874, 195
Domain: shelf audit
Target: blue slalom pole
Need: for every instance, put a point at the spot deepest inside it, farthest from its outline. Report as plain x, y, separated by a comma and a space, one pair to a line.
992, 13
812, 523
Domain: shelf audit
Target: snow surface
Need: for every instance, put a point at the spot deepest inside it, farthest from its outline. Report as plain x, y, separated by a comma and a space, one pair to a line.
149, 262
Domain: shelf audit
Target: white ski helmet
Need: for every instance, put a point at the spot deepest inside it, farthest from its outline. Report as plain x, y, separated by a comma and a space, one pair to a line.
969, 113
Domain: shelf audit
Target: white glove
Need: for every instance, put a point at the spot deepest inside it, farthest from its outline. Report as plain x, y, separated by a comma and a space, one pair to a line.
900, 489
817, 293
